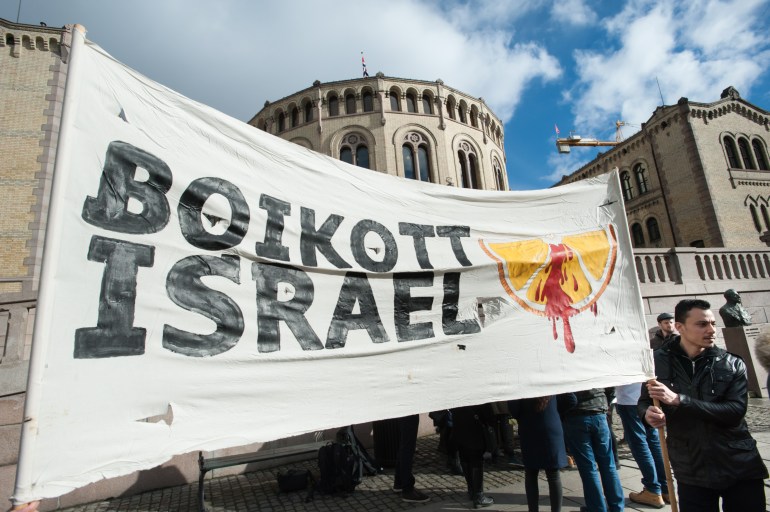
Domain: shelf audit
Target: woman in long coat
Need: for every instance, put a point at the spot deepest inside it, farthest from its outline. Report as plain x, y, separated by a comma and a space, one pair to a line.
542, 447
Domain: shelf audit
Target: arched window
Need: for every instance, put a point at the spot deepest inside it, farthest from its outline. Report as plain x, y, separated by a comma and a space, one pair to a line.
763, 210
468, 166
759, 154
755, 218
743, 146
732, 153
463, 117
641, 178
416, 154
423, 163
350, 104
281, 122
368, 102
334, 106
353, 150
294, 117
308, 111
362, 156
408, 155
625, 183
653, 232
637, 235
474, 118
9, 39
427, 104
411, 104
450, 107
395, 103
346, 155
498, 169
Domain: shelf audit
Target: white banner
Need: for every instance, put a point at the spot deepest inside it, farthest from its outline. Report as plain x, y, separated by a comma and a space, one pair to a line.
258, 290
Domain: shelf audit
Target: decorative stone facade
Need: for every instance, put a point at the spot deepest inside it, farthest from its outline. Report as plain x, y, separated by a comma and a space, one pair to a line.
705, 179
408, 128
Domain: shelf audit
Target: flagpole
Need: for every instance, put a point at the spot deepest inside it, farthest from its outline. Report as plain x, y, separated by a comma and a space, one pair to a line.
667, 464
43, 329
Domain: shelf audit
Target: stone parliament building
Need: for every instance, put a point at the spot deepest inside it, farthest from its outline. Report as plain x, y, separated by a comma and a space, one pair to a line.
695, 180
414, 129
695, 175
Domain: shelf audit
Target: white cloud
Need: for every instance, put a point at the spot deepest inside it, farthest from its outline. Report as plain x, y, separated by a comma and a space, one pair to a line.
721, 28
573, 12
564, 164
235, 54
483, 14
694, 51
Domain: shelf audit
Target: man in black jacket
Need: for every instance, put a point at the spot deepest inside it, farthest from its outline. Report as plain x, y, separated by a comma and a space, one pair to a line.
703, 394
665, 331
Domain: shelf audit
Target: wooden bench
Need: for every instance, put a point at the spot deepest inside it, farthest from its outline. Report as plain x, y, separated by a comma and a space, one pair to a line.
206, 464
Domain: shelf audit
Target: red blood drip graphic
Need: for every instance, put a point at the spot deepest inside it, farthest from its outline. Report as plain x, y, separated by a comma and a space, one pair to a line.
557, 303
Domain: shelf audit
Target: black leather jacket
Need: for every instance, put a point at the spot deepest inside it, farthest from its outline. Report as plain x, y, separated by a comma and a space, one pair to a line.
708, 441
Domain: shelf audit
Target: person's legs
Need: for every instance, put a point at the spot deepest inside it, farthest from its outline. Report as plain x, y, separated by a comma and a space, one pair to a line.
744, 496
466, 462
636, 437
605, 460
531, 489
653, 442
407, 443
473, 466
554, 489
577, 433
697, 499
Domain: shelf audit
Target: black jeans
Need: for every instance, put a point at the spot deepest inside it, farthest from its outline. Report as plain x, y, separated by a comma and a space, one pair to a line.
472, 460
742, 496
533, 492
407, 443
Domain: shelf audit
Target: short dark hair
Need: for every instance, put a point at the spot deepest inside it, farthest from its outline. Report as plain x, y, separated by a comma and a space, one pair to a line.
684, 307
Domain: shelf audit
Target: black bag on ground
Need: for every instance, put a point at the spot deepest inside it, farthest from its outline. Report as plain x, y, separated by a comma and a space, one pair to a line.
293, 480
340, 469
343, 463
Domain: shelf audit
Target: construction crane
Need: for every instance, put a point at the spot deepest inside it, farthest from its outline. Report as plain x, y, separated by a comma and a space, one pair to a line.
564, 144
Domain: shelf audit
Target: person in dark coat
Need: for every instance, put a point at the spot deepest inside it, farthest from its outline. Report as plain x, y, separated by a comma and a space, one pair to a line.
471, 426
542, 447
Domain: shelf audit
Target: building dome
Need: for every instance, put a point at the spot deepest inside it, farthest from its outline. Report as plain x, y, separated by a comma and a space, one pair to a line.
409, 128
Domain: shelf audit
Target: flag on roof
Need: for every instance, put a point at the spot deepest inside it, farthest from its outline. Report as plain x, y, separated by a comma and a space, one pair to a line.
557, 130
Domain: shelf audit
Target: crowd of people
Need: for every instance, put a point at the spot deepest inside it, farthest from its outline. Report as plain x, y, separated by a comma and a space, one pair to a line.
700, 395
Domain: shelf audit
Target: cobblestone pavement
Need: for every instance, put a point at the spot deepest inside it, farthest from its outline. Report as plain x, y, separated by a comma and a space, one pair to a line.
257, 491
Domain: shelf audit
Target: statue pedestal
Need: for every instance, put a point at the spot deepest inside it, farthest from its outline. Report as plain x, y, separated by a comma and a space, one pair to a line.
740, 341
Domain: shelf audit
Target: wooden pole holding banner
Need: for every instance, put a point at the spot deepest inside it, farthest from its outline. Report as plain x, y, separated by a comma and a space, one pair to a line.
43, 330
666, 463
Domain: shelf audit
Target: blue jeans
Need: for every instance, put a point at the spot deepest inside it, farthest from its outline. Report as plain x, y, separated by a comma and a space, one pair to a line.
645, 447
588, 438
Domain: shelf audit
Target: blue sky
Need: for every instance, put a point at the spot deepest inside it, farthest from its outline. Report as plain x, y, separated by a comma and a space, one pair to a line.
537, 63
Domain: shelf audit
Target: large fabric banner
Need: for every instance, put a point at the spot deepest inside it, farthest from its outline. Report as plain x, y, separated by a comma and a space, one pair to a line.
247, 289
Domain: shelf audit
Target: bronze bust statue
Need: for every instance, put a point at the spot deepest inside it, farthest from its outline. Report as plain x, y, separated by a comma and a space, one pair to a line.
733, 313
